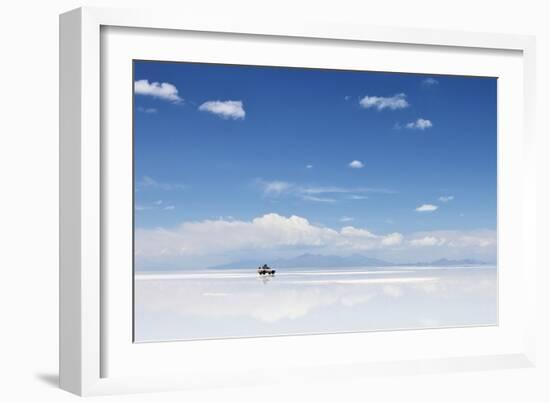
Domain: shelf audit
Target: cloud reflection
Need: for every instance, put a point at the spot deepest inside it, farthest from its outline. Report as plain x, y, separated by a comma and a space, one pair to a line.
209, 304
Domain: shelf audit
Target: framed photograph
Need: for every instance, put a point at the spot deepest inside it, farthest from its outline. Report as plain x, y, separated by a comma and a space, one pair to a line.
278, 204
251, 202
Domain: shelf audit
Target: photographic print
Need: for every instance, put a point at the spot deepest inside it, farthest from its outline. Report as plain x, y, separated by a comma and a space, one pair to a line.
274, 201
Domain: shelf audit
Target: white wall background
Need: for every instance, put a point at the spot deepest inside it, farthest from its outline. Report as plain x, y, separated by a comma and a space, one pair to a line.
29, 187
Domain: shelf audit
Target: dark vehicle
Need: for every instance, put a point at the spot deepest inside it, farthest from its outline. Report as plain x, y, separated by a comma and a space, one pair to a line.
266, 270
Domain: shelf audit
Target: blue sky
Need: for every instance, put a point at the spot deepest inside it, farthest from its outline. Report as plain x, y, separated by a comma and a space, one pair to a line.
383, 153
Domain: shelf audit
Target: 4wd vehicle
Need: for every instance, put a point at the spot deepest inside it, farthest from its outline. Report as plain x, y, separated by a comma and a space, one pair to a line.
266, 270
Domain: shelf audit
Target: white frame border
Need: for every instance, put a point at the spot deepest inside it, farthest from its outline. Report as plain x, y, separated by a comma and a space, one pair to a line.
80, 164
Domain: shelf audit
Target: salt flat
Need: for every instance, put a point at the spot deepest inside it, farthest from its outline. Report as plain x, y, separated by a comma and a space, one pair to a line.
202, 304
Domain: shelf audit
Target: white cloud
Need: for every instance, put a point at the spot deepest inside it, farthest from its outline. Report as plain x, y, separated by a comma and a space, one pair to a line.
425, 241
318, 199
214, 236
224, 109
165, 91
461, 240
445, 199
147, 110
276, 188
270, 231
149, 183
451, 244
356, 164
155, 205
279, 188
430, 81
426, 208
309, 166
195, 242
336, 189
356, 232
420, 124
346, 219
397, 101
394, 238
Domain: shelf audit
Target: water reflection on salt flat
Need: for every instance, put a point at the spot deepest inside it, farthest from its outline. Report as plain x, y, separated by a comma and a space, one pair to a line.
234, 303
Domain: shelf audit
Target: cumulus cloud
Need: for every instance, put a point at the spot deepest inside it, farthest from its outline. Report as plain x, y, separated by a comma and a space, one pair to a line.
456, 240
193, 242
394, 238
270, 231
165, 91
356, 232
398, 101
211, 236
356, 164
426, 208
419, 124
426, 241
429, 81
224, 109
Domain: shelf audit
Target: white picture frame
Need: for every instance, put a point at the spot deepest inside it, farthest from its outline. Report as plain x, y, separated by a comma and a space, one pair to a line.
96, 354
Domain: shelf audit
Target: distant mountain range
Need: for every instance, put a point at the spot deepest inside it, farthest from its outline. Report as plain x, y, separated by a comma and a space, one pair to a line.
312, 260
448, 262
